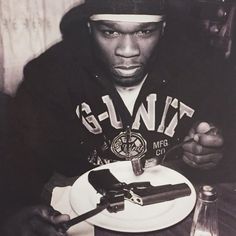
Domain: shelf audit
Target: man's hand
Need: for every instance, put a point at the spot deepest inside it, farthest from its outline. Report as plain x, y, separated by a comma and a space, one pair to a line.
206, 149
35, 221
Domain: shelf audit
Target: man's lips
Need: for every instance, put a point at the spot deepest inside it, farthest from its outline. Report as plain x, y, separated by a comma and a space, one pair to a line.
127, 71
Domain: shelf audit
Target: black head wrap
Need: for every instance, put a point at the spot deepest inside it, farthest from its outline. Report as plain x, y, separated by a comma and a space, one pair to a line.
83, 11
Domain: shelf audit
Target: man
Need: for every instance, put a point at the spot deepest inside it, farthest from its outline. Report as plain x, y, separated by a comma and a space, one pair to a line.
115, 89
217, 19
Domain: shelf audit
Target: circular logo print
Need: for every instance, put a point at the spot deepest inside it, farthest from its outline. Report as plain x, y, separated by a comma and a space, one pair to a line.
129, 146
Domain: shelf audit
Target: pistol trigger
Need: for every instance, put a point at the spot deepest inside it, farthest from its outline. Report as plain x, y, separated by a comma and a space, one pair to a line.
134, 198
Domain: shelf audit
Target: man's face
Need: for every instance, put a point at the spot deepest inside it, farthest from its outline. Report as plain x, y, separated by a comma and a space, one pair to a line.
125, 48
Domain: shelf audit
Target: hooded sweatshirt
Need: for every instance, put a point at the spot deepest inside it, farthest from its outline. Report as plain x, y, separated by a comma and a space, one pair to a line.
68, 117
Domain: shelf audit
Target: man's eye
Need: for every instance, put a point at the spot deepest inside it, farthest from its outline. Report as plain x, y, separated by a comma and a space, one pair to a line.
143, 32
111, 33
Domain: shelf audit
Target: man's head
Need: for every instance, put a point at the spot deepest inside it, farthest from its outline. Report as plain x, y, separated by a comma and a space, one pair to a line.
125, 35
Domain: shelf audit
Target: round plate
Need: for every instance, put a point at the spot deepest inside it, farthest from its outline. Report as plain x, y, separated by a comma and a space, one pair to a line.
134, 218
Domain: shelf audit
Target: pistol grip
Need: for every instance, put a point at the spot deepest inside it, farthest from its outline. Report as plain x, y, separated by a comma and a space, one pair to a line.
104, 181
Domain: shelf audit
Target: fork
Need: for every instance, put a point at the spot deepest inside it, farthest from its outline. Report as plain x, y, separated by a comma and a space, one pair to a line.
154, 161
182, 143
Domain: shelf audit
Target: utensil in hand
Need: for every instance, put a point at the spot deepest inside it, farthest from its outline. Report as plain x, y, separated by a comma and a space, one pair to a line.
155, 161
64, 226
211, 130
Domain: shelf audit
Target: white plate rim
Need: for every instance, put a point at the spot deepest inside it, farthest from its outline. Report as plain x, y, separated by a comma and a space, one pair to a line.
119, 227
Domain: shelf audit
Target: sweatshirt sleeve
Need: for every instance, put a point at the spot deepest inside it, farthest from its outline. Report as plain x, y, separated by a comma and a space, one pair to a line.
28, 157
45, 136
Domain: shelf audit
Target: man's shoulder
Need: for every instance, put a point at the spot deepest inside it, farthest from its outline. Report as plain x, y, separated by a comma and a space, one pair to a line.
53, 72
47, 72
51, 58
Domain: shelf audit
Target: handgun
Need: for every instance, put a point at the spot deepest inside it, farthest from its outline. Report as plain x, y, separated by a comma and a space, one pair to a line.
141, 193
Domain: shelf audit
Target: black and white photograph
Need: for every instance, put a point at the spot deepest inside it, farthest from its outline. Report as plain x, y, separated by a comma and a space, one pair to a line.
118, 117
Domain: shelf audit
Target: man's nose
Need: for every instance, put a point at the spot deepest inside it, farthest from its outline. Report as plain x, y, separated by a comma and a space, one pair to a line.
128, 47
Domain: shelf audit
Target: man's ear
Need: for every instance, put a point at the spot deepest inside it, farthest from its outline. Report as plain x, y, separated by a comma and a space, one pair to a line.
163, 28
89, 27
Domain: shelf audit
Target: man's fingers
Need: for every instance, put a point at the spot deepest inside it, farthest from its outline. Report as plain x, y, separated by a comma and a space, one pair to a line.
61, 218
208, 135
199, 127
35, 221
204, 166
198, 160
53, 215
203, 127
44, 227
191, 133
49, 217
210, 140
197, 149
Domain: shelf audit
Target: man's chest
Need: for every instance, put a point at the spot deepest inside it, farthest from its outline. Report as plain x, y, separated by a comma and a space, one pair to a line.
154, 112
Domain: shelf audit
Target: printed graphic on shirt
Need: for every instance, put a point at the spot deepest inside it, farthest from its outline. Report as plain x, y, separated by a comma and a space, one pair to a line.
160, 147
128, 145
146, 115
123, 146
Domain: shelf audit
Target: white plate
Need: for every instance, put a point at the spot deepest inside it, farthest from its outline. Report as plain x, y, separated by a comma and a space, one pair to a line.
135, 218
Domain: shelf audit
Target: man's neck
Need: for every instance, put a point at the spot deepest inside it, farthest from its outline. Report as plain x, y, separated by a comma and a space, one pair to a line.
130, 88
130, 94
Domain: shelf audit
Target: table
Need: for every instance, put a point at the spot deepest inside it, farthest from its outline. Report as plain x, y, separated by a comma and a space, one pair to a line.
226, 214
225, 183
